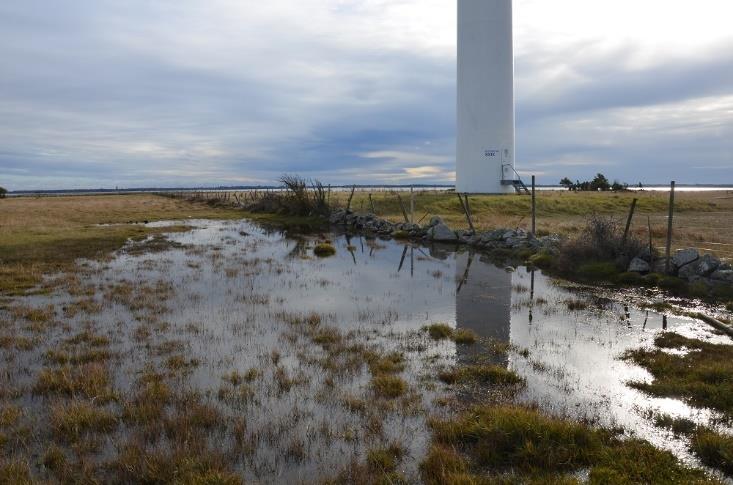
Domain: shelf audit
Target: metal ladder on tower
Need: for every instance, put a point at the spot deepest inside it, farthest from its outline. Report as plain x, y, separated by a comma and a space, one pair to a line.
519, 186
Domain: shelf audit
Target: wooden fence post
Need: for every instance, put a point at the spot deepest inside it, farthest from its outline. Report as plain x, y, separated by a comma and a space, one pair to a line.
348, 206
371, 204
628, 221
651, 243
668, 265
534, 208
470, 214
404, 211
466, 210
412, 205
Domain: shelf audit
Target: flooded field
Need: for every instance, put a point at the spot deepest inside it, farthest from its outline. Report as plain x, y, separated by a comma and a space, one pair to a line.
237, 346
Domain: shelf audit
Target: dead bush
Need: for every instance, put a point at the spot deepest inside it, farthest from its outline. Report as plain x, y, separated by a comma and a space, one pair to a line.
601, 240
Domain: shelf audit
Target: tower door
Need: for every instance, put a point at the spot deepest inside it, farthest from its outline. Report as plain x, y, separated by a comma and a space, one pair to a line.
507, 165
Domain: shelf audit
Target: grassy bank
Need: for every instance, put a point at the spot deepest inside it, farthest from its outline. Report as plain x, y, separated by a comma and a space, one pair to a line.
41, 235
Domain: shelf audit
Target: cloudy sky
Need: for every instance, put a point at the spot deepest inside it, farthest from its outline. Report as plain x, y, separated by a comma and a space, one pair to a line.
104, 93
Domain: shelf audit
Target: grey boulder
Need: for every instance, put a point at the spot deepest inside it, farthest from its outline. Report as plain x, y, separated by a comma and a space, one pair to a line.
435, 220
704, 266
442, 233
638, 265
685, 256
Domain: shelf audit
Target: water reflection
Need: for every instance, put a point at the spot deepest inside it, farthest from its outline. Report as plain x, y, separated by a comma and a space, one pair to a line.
389, 290
483, 301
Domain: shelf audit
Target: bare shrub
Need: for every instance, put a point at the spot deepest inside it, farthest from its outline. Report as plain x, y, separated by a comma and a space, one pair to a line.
301, 198
602, 239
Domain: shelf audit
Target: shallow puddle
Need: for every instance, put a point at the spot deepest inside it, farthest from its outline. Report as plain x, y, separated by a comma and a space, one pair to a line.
232, 296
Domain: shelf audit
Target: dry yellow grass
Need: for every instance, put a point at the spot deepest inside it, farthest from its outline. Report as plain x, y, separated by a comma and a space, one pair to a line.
39, 235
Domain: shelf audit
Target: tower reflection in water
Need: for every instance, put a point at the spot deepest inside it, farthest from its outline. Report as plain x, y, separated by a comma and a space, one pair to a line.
483, 303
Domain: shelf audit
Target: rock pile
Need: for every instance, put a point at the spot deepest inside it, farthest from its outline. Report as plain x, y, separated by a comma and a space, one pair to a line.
437, 231
689, 265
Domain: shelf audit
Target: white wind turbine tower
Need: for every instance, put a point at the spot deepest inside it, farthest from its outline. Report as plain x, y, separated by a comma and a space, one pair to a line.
486, 144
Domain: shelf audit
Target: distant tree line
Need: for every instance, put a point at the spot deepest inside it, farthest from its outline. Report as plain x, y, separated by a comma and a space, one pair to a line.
3, 191
599, 184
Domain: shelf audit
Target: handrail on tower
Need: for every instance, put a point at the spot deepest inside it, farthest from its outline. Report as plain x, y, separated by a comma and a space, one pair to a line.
519, 186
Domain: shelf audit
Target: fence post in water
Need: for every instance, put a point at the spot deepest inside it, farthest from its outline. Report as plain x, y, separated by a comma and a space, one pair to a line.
669, 229
534, 208
628, 221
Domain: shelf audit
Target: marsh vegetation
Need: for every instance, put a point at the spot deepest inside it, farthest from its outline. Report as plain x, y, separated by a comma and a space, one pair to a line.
216, 350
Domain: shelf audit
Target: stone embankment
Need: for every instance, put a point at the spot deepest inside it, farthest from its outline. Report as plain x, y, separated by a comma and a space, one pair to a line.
437, 231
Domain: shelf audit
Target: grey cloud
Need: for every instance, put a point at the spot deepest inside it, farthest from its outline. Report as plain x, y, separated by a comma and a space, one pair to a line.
137, 93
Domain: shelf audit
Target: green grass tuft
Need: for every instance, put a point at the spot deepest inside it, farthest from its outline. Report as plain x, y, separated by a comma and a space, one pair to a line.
71, 421
679, 426
389, 387
324, 250
392, 363
465, 336
439, 331
714, 450
480, 374
385, 459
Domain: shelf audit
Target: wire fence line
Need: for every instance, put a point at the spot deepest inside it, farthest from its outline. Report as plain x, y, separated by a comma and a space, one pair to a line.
706, 231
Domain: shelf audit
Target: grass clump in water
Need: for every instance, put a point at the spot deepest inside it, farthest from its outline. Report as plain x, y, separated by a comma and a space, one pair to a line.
439, 331
134, 464
703, 376
443, 331
62, 357
9, 416
714, 450
464, 336
15, 472
481, 374
91, 380
54, 459
235, 378
324, 250
390, 387
149, 402
535, 448
392, 363
385, 459
178, 363
679, 426
71, 421
327, 337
